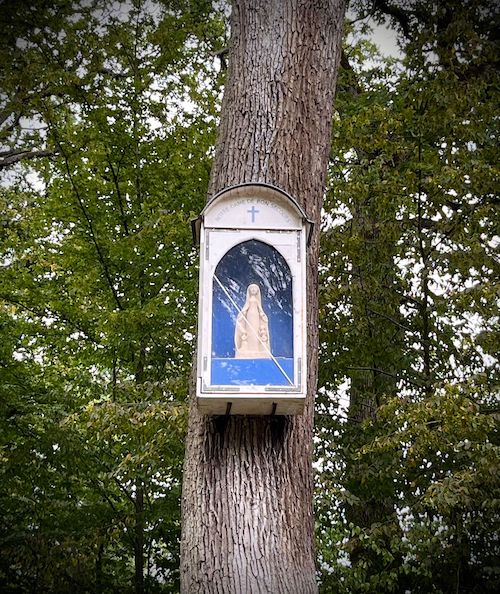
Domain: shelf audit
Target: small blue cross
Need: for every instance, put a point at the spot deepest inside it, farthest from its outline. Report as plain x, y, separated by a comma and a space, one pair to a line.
253, 211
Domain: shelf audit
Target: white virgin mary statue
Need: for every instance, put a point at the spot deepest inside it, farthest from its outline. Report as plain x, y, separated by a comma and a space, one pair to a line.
251, 335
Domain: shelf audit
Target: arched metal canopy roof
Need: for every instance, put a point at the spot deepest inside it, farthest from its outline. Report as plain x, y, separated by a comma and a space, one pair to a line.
242, 189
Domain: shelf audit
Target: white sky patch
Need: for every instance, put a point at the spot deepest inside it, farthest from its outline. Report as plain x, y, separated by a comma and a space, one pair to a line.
386, 40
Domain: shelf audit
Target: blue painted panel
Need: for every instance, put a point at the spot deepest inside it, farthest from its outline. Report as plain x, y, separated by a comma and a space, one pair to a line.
252, 262
259, 372
246, 263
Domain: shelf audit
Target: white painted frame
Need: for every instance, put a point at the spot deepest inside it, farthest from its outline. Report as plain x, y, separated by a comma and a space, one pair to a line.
284, 227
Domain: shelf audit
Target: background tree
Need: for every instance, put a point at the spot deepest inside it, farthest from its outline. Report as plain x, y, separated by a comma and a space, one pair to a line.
97, 286
417, 218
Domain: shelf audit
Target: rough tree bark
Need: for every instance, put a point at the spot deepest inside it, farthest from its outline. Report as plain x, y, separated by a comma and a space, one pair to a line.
247, 492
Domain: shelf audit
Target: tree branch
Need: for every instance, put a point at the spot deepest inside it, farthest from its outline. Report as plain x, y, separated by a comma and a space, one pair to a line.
90, 226
114, 174
60, 317
11, 157
5, 116
382, 372
395, 322
397, 13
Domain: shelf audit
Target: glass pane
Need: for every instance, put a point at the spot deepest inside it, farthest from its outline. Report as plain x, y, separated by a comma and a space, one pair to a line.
252, 317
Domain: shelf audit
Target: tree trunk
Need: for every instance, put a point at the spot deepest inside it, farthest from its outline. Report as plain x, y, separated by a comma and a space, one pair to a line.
377, 360
247, 517
139, 538
139, 487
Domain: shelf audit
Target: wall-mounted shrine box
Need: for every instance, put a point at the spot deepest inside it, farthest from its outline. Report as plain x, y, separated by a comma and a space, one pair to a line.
252, 350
